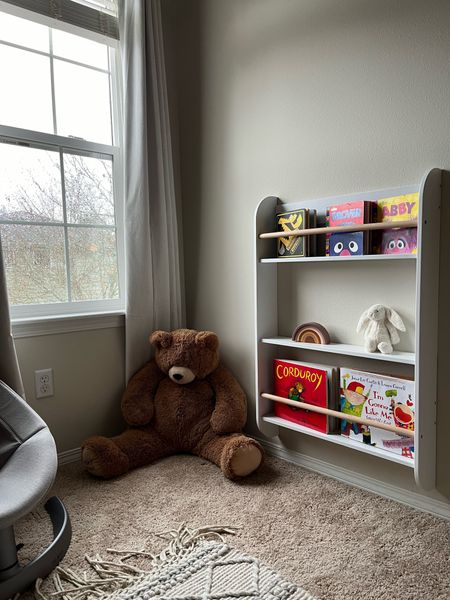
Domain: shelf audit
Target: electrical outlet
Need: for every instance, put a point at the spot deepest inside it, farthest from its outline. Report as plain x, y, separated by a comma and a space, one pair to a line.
43, 383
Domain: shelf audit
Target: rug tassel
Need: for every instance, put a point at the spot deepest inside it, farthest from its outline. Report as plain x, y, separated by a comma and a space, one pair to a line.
114, 575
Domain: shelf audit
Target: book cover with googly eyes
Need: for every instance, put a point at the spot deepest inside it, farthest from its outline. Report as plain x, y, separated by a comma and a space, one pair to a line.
396, 209
351, 243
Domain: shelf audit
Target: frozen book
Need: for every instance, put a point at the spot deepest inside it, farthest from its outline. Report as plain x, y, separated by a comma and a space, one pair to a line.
399, 208
349, 243
388, 400
304, 382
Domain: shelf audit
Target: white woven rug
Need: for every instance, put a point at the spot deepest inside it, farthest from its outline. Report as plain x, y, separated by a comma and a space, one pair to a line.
213, 571
196, 565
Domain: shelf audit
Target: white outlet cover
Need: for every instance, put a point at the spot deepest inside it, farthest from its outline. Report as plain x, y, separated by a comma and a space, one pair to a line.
43, 383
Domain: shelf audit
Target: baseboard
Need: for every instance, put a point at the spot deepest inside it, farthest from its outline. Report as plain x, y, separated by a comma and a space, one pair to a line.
69, 456
386, 490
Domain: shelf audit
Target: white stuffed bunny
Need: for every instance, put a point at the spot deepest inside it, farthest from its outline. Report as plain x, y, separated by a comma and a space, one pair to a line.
379, 324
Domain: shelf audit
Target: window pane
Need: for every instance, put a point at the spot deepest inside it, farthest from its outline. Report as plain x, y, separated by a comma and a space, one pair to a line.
79, 49
34, 263
93, 263
24, 33
30, 184
89, 190
25, 98
82, 102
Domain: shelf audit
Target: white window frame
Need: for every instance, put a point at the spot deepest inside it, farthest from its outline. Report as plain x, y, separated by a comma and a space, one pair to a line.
77, 145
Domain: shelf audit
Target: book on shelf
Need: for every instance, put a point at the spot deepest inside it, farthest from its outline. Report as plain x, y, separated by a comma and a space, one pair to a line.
385, 399
305, 382
295, 246
398, 208
353, 243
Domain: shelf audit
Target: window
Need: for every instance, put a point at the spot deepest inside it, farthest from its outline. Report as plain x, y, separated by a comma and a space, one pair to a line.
60, 205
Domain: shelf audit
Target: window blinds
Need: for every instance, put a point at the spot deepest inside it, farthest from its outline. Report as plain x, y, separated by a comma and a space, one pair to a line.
95, 15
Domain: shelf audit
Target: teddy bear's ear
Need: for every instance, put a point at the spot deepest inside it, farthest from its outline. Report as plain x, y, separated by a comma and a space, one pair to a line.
161, 339
207, 339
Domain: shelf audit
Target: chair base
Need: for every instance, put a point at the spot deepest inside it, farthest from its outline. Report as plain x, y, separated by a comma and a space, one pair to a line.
14, 578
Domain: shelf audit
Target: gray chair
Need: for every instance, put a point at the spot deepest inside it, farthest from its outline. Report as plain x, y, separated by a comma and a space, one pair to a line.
28, 464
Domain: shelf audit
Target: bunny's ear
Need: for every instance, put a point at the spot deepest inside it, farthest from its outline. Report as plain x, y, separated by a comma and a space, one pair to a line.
395, 319
363, 320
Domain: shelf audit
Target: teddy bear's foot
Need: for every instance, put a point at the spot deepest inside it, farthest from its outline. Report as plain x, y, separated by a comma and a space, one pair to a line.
385, 348
103, 458
245, 460
240, 457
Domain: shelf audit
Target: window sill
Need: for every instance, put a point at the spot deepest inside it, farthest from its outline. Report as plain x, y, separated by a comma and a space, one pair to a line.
36, 326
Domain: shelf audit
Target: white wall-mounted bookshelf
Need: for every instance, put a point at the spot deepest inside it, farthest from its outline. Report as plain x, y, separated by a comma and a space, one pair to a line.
406, 358
422, 362
331, 259
341, 440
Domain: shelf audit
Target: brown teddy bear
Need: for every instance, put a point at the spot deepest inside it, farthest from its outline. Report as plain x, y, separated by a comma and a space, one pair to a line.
182, 401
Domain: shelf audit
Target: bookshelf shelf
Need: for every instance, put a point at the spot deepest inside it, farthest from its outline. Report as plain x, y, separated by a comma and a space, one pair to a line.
406, 358
339, 439
423, 307
364, 257
344, 229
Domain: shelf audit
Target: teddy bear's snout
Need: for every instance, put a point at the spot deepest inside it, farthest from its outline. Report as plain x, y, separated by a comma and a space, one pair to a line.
181, 375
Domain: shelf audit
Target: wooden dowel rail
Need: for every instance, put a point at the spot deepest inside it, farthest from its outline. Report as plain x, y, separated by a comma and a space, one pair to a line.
340, 415
343, 229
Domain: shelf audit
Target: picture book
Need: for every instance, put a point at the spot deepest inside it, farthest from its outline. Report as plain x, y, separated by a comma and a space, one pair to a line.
399, 208
295, 246
381, 398
349, 243
303, 382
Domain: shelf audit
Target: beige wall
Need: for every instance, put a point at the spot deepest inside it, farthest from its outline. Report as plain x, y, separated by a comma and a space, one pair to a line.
301, 99
88, 371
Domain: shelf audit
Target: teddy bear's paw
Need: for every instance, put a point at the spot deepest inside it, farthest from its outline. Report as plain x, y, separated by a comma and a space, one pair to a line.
246, 460
103, 458
242, 456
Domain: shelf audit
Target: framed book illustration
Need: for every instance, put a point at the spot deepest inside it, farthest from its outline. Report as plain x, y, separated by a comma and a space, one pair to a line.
399, 208
308, 383
381, 398
353, 243
293, 246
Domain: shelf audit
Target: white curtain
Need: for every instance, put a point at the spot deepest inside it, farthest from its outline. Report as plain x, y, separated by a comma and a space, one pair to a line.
9, 367
155, 298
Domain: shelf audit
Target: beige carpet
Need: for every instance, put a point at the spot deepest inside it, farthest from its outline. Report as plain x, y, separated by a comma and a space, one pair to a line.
337, 542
